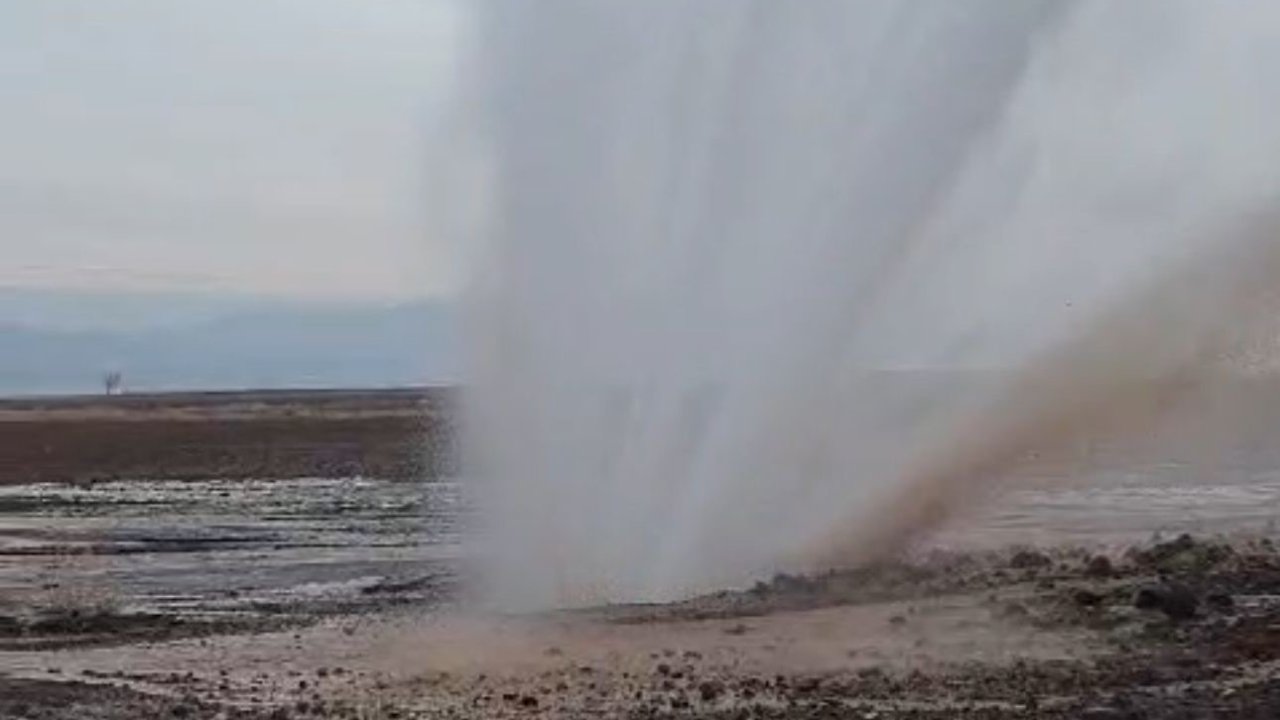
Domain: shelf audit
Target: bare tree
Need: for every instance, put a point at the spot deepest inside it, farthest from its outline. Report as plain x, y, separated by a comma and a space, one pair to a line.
111, 382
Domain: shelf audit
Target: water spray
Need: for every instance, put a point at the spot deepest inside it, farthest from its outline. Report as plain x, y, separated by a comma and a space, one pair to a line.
767, 285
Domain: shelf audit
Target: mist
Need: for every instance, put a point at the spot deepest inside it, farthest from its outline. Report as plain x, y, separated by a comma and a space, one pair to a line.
763, 286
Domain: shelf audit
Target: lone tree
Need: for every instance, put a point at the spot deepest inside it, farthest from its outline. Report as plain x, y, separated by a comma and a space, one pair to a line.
111, 382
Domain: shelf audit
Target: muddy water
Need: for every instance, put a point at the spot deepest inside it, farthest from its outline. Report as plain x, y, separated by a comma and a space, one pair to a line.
226, 545
229, 545
1211, 465
1120, 507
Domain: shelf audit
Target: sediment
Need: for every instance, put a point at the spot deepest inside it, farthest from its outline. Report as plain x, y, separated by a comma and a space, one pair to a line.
1183, 628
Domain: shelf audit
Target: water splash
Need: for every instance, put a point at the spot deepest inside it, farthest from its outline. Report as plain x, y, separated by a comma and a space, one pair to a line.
767, 285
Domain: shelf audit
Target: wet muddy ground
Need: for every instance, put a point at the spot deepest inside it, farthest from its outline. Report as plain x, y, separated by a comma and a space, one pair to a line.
180, 557
1186, 628
319, 595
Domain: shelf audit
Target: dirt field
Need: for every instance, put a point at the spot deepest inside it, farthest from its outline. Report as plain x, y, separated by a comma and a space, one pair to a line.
393, 434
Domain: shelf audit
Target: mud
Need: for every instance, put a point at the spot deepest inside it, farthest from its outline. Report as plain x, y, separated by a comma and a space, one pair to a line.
1184, 628
143, 560
184, 565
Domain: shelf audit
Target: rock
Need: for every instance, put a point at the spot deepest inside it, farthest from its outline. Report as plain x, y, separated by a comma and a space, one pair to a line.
710, 690
529, 701
1087, 598
897, 620
663, 669
808, 685
1099, 566
782, 582
10, 625
1175, 601
1014, 610
1184, 555
1179, 544
1028, 560
738, 629
1220, 601
1148, 598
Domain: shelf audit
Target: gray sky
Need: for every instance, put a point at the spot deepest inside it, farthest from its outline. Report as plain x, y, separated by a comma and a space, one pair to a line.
255, 146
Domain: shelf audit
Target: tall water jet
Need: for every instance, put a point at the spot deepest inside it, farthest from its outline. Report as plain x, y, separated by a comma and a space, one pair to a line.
768, 284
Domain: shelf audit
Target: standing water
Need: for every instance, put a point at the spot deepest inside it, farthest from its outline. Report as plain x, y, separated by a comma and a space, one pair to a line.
771, 285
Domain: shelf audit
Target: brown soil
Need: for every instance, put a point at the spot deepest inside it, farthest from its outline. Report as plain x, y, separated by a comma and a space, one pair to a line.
394, 434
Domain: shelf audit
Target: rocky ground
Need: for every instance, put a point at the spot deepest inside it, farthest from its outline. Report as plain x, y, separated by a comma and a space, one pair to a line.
1186, 628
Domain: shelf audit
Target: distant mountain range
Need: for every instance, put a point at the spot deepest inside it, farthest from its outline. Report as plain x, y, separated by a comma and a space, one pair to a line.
53, 343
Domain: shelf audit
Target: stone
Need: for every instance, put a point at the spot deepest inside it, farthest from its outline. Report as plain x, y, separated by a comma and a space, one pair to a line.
1099, 566
710, 690
1087, 598
1175, 601
1029, 559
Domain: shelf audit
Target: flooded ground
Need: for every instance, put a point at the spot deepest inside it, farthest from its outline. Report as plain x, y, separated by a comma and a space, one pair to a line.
1117, 507
222, 546
325, 544
230, 545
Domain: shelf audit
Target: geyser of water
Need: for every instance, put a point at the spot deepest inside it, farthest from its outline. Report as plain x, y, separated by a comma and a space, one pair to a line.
772, 284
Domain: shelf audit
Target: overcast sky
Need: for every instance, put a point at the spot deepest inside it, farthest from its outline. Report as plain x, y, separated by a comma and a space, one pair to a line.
237, 146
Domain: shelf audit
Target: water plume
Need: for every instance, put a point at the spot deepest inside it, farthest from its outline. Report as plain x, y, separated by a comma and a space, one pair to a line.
767, 285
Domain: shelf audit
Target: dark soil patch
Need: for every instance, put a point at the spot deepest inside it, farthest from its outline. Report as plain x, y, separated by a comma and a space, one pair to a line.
234, 435
72, 700
71, 629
